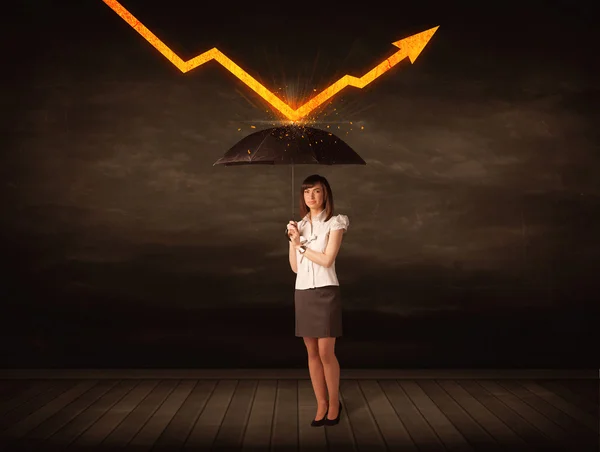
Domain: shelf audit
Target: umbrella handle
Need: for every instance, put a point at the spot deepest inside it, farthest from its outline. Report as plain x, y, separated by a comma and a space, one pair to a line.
287, 232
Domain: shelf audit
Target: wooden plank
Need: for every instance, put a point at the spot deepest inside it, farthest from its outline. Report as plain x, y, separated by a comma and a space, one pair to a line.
575, 431
144, 440
547, 427
478, 437
414, 422
83, 421
208, 423
566, 407
309, 438
394, 433
484, 417
67, 414
127, 429
570, 425
367, 435
341, 437
586, 388
563, 390
260, 422
21, 428
285, 423
231, 433
174, 436
99, 430
8, 385
25, 409
447, 432
12, 388
519, 425
36, 388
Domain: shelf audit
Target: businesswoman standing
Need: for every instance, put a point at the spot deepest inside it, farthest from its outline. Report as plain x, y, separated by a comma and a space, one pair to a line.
314, 245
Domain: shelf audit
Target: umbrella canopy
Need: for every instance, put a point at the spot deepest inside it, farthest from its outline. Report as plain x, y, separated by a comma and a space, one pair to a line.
291, 145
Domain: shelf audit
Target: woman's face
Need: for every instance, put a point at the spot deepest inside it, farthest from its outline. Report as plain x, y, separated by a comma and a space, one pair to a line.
313, 197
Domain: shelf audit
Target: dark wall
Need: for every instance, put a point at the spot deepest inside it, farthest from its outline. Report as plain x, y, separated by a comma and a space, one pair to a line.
473, 227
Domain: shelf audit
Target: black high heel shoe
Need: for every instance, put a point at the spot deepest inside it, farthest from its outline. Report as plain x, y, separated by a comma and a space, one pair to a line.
336, 420
320, 422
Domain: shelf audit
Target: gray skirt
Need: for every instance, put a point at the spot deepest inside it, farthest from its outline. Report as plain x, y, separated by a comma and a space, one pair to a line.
318, 312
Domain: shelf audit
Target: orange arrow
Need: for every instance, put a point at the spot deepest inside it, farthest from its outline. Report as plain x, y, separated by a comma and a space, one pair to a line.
409, 47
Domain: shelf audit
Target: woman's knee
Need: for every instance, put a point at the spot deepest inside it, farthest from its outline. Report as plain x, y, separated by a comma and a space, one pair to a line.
327, 349
312, 346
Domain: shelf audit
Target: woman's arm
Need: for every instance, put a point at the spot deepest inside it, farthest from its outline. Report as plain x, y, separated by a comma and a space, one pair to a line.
293, 261
327, 258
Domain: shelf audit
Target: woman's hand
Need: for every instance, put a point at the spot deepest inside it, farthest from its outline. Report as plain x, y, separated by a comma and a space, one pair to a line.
293, 233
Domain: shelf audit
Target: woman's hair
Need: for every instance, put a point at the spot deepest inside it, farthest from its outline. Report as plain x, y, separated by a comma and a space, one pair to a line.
310, 182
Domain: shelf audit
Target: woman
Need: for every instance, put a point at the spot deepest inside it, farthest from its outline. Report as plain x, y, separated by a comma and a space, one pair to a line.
314, 244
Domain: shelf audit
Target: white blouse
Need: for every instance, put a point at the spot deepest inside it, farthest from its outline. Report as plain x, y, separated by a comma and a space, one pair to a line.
315, 236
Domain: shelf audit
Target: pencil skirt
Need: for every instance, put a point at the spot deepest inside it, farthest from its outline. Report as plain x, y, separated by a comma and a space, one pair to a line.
318, 312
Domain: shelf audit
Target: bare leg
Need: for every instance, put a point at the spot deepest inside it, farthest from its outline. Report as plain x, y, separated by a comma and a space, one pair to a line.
317, 377
331, 369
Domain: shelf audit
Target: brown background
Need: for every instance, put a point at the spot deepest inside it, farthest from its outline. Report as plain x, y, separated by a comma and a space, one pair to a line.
473, 227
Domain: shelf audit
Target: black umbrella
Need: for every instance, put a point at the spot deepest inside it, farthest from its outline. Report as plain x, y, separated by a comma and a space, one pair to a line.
291, 145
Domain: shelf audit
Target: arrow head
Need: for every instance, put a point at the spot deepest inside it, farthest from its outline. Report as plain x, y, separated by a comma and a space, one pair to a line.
414, 45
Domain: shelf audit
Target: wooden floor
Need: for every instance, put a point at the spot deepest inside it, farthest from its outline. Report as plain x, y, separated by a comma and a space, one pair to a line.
427, 414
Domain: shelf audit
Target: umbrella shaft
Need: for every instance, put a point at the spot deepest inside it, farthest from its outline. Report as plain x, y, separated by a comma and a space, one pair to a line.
292, 191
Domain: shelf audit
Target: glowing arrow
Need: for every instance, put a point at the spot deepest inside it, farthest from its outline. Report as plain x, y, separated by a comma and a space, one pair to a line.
409, 47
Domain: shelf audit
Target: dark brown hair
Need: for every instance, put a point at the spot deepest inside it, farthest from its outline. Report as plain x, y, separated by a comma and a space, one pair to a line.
310, 182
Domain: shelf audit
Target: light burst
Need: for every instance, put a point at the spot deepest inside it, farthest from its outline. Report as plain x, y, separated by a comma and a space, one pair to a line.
409, 47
